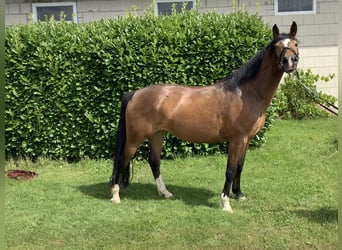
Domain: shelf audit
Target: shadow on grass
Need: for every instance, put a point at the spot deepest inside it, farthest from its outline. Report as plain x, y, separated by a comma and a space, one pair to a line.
147, 191
322, 215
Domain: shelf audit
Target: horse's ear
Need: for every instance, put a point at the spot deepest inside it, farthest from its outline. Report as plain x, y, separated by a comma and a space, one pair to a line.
275, 31
293, 29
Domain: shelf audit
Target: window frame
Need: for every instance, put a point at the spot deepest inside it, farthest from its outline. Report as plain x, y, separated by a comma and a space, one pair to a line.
171, 1
60, 4
284, 13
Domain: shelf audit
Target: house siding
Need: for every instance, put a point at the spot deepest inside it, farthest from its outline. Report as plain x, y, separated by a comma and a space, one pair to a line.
317, 33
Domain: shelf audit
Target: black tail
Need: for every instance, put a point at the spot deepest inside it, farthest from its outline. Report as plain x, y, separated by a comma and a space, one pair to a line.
120, 172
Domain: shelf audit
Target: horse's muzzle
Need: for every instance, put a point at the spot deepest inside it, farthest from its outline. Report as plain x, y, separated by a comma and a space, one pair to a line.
289, 63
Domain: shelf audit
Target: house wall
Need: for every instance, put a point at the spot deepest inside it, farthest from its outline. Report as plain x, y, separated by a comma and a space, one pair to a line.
97, 10
317, 33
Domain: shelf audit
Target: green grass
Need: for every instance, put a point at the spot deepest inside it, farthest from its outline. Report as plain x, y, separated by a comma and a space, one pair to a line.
290, 184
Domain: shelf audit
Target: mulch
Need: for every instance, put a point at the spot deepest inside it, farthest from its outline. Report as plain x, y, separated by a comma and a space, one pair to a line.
18, 174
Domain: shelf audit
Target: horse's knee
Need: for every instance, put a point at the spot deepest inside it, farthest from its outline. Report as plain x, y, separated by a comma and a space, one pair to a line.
230, 173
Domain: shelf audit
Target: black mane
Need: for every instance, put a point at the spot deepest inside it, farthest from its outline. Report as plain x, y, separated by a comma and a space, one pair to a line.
250, 69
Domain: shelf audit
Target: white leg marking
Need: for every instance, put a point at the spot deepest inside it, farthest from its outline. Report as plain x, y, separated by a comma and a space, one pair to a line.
115, 193
225, 203
162, 191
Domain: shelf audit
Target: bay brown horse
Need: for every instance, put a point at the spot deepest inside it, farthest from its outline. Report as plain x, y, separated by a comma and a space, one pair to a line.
233, 109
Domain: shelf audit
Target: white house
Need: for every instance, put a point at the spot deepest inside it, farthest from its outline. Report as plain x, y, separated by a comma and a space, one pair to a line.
317, 21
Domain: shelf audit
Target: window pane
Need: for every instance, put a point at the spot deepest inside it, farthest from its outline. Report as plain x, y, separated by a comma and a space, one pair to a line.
166, 8
295, 5
54, 11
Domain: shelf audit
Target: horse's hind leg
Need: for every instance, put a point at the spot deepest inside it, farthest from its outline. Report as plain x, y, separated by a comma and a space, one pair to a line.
129, 151
156, 144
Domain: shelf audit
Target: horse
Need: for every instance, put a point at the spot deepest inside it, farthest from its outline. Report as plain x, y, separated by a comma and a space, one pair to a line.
231, 110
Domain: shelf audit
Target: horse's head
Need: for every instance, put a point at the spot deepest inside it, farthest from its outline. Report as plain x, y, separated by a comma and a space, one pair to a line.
286, 49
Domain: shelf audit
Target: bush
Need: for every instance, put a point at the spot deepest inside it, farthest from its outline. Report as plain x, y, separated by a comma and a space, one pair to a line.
297, 102
64, 81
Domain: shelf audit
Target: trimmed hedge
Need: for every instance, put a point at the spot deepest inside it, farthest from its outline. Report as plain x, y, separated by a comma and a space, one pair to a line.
64, 81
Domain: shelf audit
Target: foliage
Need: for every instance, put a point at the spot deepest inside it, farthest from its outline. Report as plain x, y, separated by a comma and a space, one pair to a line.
293, 100
64, 81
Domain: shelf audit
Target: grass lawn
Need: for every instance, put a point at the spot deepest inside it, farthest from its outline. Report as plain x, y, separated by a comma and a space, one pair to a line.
290, 183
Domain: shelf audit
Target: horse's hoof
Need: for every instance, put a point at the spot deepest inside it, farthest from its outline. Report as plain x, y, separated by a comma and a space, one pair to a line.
166, 194
228, 210
239, 197
115, 200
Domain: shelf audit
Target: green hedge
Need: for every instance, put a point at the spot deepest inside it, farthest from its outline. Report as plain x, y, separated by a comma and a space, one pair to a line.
64, 81
293, 101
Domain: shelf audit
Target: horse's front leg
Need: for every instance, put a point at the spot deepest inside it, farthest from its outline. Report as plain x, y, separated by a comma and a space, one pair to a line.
236, 154
238, 195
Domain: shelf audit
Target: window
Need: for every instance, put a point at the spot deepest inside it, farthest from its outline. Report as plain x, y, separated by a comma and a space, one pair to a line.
290, 7
41, 11
164, 7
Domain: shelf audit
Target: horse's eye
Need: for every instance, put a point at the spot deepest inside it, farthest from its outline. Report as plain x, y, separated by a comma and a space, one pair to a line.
296, 44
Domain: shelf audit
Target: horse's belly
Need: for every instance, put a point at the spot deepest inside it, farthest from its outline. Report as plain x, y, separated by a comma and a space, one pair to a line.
195, 120
196, 133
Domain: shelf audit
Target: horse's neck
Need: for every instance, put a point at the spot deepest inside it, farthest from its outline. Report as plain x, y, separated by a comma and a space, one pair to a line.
267, 80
